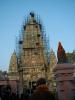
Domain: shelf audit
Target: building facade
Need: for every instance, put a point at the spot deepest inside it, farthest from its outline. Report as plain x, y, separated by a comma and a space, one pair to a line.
32, 57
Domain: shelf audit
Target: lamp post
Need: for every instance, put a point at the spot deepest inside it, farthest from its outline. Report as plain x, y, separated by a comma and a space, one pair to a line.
6, 78
21, 78
7, 87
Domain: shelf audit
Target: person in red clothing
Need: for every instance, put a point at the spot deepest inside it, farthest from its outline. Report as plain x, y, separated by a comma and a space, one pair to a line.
42, 91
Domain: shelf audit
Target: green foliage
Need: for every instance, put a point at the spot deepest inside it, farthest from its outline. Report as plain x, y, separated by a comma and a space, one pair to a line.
55, 95
71, 57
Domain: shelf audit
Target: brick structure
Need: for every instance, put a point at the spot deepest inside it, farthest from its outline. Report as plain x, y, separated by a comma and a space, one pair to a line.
12, 84
65, 80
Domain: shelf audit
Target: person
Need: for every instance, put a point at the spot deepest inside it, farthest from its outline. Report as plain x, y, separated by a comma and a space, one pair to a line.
42, 91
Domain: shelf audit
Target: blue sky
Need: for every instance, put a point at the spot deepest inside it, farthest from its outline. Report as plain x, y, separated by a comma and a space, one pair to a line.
58, 17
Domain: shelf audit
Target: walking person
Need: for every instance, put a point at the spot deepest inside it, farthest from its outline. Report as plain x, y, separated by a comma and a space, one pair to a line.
42, 91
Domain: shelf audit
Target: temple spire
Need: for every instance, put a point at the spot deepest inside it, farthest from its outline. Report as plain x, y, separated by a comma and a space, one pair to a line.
13, 63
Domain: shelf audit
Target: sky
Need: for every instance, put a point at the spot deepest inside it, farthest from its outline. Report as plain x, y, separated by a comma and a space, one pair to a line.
57, 16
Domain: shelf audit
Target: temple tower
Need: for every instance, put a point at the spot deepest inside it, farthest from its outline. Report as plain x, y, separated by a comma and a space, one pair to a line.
33, 52
13, 71
53, 62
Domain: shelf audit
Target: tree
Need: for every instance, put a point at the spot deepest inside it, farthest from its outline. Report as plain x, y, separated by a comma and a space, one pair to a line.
61, 54
71, 57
